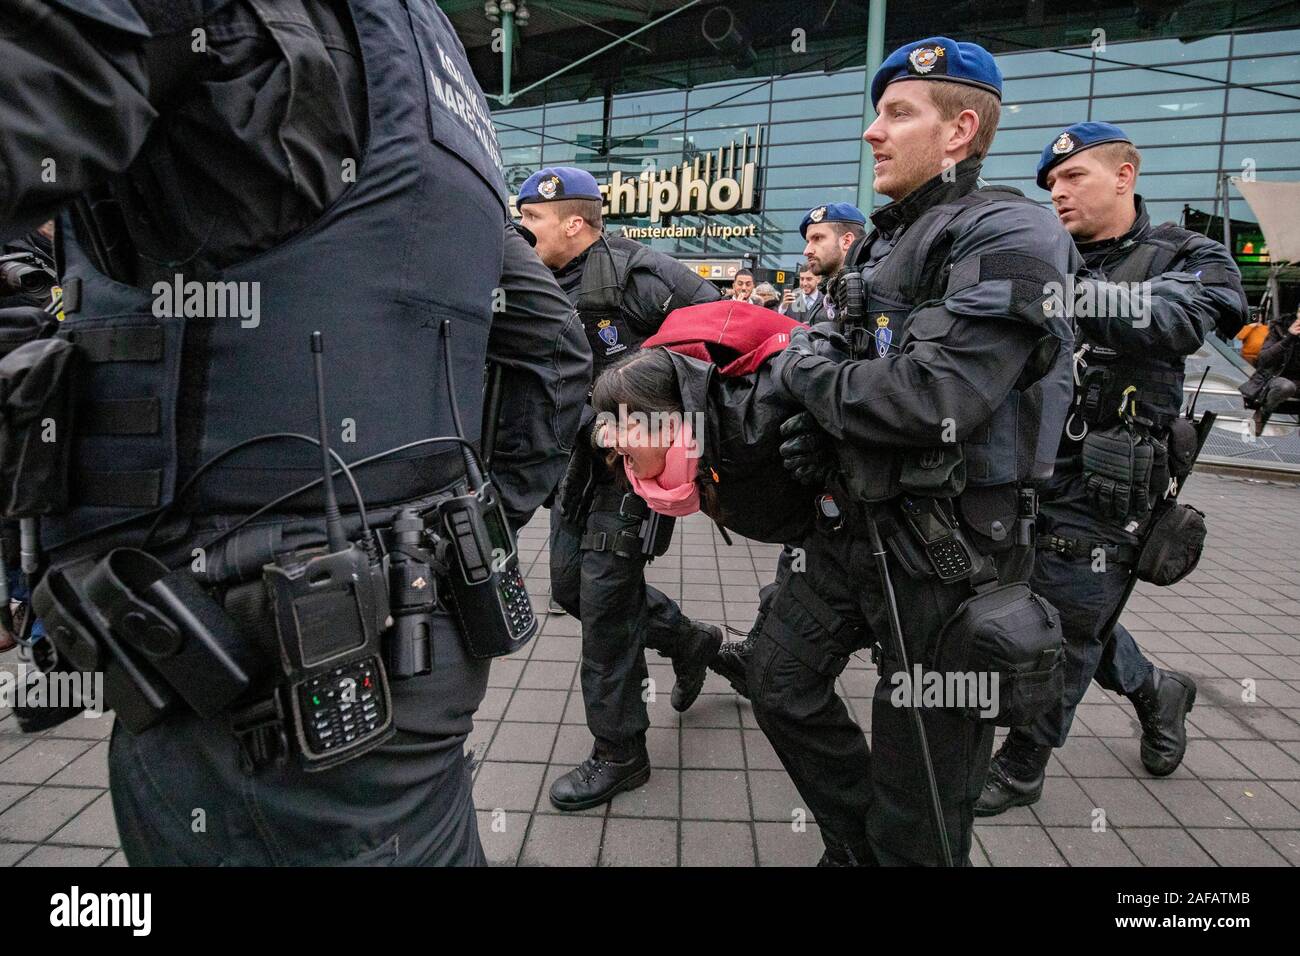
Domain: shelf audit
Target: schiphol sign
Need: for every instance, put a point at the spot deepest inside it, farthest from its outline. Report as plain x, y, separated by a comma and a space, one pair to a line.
721, 182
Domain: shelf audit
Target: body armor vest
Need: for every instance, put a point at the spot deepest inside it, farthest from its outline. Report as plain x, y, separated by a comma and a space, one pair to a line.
174, 375
600, 301
601, 298
1105, 373
1019, 441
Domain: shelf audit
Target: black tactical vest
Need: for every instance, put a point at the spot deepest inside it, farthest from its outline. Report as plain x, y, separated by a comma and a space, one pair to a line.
600, 300
172, 376
1106, 373
1018, 444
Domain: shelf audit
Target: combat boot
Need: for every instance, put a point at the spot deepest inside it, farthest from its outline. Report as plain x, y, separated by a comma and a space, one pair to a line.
1162, 705
732, 662
691, 659
1016, 775
597, 780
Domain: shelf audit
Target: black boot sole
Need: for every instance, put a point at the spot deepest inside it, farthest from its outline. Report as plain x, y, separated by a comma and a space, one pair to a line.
638, 779
1191, 701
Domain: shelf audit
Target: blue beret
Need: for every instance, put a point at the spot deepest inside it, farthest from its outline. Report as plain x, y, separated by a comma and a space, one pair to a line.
832, 212
558, 182
1074, 139
939, 58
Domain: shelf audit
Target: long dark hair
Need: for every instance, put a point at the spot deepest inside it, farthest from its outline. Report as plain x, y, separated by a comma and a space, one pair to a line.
646, 381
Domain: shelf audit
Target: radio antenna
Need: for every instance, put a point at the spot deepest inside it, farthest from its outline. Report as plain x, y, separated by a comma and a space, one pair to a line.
471, 466
333, 523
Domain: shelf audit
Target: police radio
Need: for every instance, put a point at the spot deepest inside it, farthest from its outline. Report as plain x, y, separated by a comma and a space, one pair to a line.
487, 590
330, 606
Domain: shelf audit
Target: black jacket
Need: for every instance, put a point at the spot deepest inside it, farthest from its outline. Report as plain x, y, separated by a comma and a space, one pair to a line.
1280, 353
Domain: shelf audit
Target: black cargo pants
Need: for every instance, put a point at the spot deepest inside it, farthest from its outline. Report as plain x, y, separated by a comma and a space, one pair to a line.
598, 576
873, 802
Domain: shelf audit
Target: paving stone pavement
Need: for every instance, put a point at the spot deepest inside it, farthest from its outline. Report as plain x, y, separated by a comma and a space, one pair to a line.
718, 796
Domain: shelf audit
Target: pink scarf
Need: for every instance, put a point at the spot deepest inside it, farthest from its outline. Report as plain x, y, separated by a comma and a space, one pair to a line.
673, 491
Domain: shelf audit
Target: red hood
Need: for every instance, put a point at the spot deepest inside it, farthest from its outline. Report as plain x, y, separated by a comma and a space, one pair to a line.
736, 336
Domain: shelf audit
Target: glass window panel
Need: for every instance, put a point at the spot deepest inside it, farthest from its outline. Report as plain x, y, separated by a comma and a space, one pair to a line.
821, 174
1277, 155
831, 151
1278, 41
820, 84
826, 106
523, 137
1120, 82
1267, 100
1177, 185
1170, 132
657, 122
1266, 69
1016, 115
1256, 127
1009, 167
1179, 158
571, 112
522, 156
1045, 87
822, 131
729, 94
806, 199
727, 117
1120, 109
635, 105
1165, 50
1043, 62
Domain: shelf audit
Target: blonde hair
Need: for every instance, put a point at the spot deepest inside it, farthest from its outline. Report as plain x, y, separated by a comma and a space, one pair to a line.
951, 98
588, 209
1117, 154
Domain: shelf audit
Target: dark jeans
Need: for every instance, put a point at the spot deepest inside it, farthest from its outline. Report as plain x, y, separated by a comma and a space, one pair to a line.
1279, 390
621, 616
874, 802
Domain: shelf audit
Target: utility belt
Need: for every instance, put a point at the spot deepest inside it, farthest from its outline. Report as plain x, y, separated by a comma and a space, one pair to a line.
1003, 629
652, 537
301, 661
1079, 549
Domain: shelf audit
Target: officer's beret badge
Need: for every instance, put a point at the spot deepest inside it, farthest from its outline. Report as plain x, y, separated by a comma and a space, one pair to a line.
1063, 144
547, 187
818, 214
924, 58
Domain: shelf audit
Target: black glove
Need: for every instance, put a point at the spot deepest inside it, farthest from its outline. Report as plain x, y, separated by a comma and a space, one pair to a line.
807, 451
844, 290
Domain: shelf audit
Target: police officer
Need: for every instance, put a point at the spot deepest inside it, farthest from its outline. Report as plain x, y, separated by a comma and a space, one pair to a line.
956, 360
1150, 296
603, 534
270, 151
829, 231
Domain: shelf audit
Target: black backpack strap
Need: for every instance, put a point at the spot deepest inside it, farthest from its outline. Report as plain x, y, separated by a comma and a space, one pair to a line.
1157, 251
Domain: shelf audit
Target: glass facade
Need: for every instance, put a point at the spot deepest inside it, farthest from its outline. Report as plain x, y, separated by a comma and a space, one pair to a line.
1198, 109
